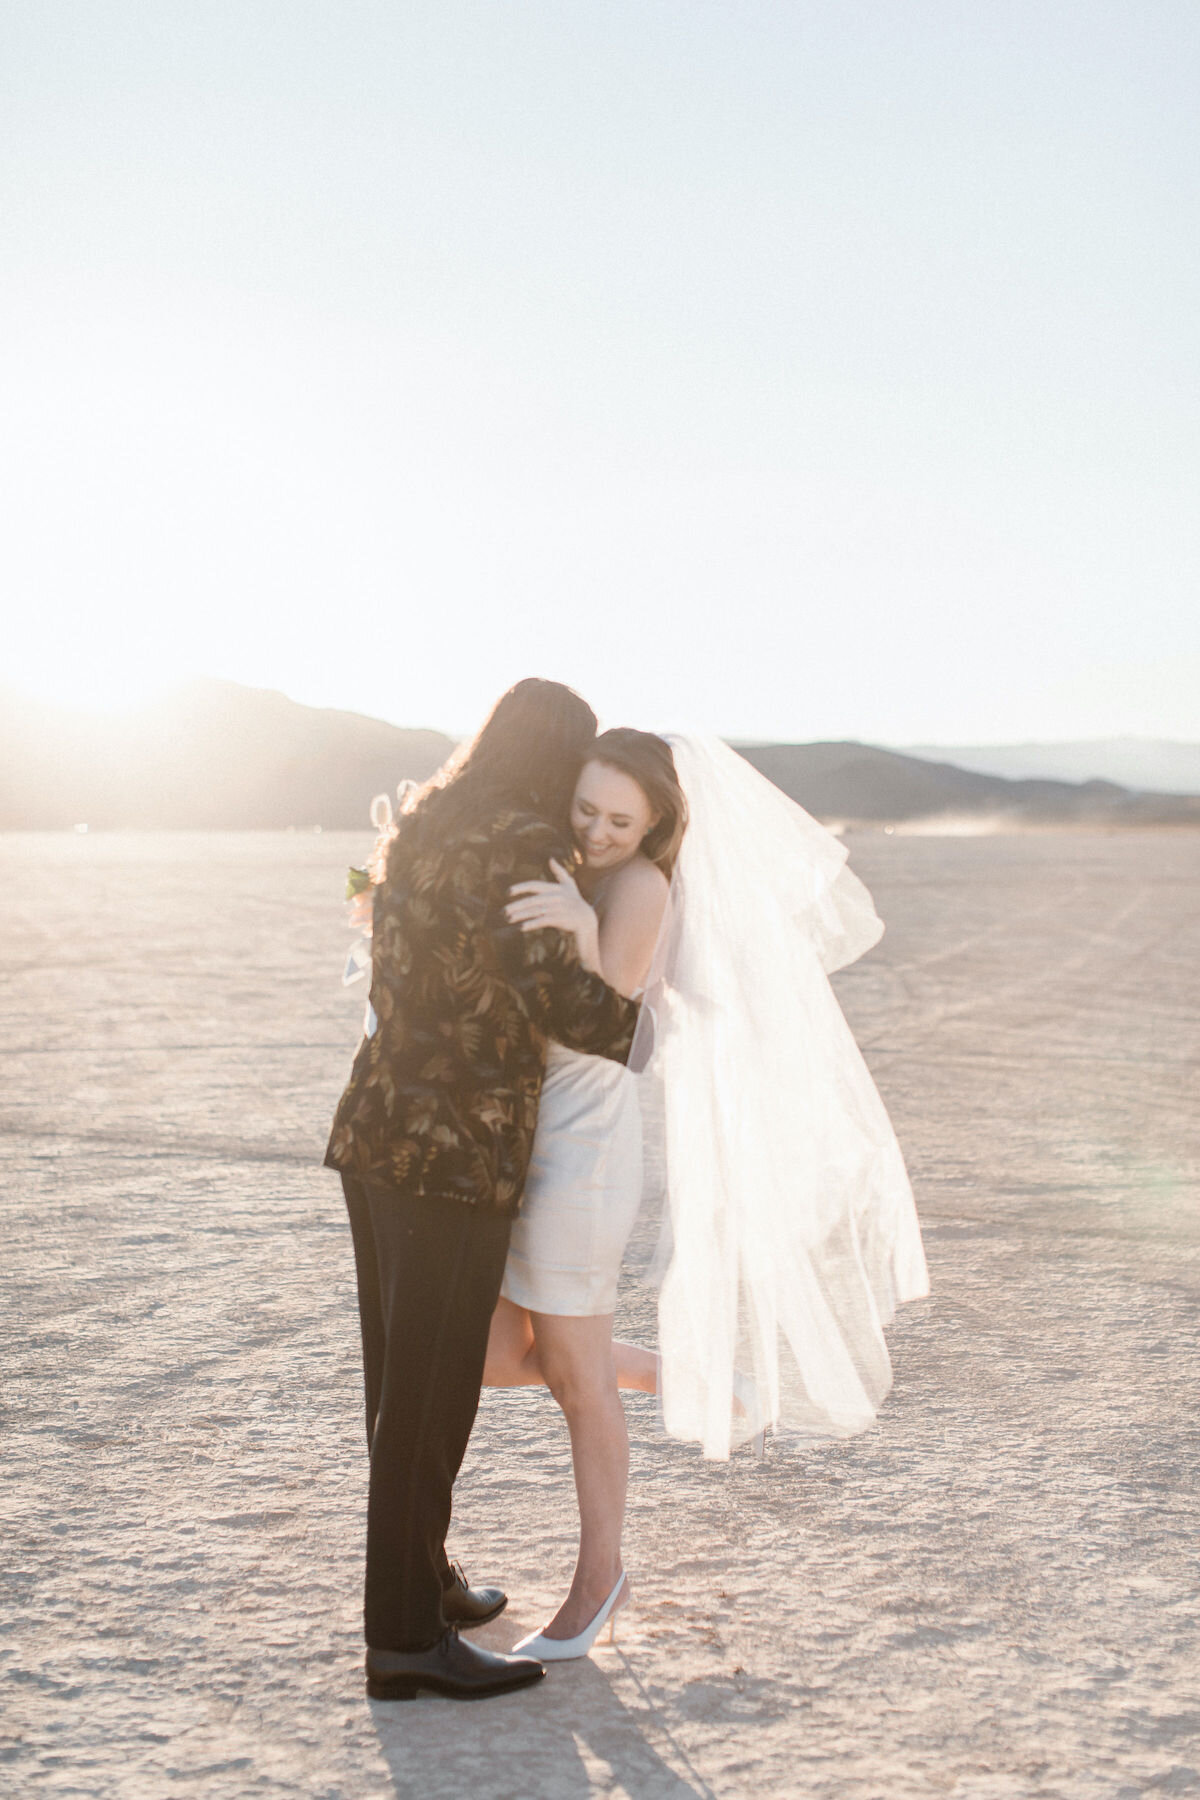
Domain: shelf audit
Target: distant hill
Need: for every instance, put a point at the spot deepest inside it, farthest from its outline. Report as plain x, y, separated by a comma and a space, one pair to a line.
856, 783
214, 755
1146, 765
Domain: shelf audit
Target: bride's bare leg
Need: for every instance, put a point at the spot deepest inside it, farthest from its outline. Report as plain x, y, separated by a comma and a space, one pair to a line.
580, 1371
637, 1369
512, 1356
512, 1359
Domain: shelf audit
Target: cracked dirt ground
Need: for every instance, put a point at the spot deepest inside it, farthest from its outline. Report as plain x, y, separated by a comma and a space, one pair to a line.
992, 1594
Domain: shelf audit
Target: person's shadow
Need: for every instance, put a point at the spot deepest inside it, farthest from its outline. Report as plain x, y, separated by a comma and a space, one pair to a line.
569, 1737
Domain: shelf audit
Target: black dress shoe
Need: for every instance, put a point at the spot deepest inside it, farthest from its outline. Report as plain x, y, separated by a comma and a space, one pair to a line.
465, 1605
452, 1666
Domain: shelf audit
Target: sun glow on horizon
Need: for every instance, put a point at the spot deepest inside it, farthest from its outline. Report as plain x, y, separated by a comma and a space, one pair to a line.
105, 688
383, 367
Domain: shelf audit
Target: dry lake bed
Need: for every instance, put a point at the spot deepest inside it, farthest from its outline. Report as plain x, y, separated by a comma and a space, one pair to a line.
994, 1593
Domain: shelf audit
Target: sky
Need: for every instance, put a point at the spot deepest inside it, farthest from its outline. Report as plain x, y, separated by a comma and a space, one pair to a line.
790, 370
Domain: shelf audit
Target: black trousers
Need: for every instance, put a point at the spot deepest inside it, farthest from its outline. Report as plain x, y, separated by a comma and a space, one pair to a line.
429, 1274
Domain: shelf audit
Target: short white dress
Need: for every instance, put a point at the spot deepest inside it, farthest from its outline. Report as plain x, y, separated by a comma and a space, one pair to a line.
583, 1189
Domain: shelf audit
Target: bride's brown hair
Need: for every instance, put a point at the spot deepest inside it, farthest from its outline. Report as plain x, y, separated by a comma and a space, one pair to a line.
647, 760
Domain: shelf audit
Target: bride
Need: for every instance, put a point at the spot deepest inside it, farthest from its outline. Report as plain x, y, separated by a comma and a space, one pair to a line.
787, 1229
553, 1322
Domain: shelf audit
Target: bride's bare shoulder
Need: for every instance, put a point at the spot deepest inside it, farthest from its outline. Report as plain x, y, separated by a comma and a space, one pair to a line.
638, 885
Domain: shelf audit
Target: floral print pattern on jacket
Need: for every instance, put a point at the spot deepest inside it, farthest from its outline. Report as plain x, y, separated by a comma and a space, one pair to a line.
443, 1099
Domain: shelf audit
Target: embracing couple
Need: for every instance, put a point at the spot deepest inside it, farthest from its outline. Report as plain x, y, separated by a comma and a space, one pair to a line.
548, 903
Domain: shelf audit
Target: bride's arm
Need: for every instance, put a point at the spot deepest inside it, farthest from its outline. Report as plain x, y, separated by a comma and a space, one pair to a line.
634, 904
618, 945
537, 905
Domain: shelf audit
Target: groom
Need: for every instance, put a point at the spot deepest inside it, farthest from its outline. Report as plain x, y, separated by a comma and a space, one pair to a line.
432, 1139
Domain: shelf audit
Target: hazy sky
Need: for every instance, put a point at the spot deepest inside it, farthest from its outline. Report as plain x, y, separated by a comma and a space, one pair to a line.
804, 369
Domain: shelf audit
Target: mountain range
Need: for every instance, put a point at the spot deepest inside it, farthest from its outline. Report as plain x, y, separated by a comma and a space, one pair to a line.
860, 784
214, 755
1145, 765
211, 755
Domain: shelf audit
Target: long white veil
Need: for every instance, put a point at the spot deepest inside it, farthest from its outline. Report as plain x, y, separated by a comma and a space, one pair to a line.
788, 1231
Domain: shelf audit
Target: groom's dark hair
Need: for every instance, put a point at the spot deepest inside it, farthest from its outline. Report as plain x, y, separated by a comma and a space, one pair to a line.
526, 757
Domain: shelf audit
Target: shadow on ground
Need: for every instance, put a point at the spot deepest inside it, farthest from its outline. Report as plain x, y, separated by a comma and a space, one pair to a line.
586, 1729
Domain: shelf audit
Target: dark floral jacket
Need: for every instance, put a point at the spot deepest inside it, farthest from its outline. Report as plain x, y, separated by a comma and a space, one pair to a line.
443, 1099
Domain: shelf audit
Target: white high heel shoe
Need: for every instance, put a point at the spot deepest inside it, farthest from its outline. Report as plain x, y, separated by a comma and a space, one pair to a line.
548, 1649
